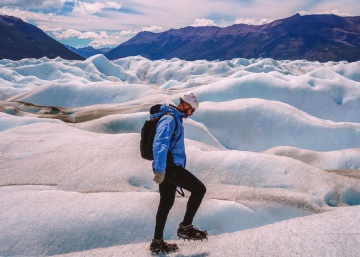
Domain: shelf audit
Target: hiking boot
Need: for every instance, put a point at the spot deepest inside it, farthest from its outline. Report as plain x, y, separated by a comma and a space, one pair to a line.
191, 232
159, 245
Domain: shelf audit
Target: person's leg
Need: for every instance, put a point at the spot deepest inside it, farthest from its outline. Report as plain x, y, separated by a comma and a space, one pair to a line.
167, 198
183, 178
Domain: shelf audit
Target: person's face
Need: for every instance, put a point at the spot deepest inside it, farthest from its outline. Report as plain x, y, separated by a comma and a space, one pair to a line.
188, 110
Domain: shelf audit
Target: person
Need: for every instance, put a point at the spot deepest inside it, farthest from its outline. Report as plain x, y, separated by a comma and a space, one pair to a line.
169, 172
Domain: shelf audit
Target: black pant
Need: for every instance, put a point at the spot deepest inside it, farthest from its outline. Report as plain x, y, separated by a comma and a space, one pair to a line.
178, 176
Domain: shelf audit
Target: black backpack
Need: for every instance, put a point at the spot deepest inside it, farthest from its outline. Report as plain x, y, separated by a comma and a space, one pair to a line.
148, 132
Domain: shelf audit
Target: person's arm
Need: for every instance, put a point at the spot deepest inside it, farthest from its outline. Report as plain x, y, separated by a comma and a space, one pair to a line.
164, 131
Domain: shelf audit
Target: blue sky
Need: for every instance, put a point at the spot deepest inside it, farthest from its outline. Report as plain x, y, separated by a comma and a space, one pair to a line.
101, 23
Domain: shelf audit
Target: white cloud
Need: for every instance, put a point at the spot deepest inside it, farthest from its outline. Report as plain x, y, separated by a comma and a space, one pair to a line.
113, 5
49, 29
98, 39
40, 4
127, 33
92, 8
69, 33
114, 39
335, 11
252, 21
153, 29
203, 22
92, 35
104, 43
26, 15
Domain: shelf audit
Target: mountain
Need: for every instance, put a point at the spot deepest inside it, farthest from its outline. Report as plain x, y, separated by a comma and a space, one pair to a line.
22, 40
311, 37
88, 51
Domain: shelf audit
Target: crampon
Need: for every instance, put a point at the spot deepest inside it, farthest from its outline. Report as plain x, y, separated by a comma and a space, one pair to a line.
159, 245
191, 232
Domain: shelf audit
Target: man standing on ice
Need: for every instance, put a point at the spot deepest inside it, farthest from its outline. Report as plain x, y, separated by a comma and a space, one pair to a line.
170, 173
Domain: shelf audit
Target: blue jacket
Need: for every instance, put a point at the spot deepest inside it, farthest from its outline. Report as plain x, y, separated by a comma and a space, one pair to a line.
164, 132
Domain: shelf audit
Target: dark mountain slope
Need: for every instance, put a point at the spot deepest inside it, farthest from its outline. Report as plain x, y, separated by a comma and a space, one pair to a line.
22, 40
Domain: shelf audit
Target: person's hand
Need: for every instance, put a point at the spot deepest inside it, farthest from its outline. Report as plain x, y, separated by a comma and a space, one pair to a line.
159, 177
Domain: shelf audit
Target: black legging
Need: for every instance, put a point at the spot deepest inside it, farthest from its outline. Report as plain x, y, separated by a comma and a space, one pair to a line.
178, 176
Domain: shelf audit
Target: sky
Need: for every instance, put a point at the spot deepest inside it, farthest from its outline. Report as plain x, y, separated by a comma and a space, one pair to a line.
98, 23
73, 183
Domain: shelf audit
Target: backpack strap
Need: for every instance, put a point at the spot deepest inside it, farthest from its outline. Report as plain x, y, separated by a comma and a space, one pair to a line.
180, 191
176, 124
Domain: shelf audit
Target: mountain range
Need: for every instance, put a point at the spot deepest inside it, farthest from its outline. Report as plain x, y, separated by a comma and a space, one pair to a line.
20, 40
310, 37
88, 51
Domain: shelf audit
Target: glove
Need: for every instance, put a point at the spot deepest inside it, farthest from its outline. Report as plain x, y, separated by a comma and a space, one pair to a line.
159, 177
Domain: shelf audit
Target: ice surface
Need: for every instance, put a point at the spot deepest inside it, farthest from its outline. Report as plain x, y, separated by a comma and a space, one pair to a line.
72, 182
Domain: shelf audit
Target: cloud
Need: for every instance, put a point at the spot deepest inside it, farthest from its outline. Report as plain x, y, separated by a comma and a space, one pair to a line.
92, 8
336, 12
114, 39
38, 4
27, 15
153, 29
49, 29
203, 22
98, 39
127, 33
252, 21
70, 33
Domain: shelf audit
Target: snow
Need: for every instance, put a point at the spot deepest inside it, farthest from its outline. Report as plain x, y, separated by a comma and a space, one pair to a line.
266, 135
